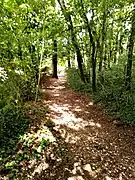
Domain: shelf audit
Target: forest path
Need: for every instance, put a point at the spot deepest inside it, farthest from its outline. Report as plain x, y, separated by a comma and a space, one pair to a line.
94, 147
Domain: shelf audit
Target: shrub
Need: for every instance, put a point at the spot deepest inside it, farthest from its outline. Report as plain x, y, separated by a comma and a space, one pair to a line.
117, 101
112, 94
75, 81
13, 122
12, 94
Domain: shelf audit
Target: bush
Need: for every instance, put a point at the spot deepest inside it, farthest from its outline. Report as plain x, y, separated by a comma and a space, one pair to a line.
112, 94
13, 92
13, 122
117, 101
75, 81
16, 88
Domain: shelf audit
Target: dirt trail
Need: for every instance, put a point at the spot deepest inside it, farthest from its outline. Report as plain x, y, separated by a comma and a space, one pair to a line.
92, 146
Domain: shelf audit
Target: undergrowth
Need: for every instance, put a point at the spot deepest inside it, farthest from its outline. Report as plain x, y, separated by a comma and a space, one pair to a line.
117, 102
74, 81
26, 136
18, 146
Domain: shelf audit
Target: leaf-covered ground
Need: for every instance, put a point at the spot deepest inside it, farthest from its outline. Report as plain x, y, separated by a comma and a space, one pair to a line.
73, 140
94, 145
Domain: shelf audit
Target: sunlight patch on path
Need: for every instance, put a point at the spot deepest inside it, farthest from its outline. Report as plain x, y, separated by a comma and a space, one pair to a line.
41, 167
76, 178
83, 170
62, 115
91, 142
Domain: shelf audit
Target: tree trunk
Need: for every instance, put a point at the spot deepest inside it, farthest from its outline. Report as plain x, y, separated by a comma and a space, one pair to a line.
73, 38
102, 50
34, 62
91, 39
120, 44
130, 53
69, 63
110, 54
54, 60
116, 48
68, 56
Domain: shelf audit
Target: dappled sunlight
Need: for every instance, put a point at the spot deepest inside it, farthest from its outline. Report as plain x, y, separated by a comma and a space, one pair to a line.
47, 101
87, 112
94, 124
69, 138
56, 95
59, 109
76, 178
60, 87
30, 153
68, 141
64, 116
34, 139
108, 178
67, 90
41, 167
43, 90
77, 100
84, 170
33, 144
84, 151
89, 104
78, 109
56, 88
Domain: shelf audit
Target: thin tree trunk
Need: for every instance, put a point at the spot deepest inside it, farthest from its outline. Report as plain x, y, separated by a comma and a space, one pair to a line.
69, 64
116, 48
101, 69
103, 41
120, 44
130, 53
91, 39
68, 56
110, 46
54, 60
73, 38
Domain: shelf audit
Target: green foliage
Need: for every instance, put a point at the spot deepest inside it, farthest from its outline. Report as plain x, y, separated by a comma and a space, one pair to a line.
117, 102
75, 82
30, 146
15, 89
13, 122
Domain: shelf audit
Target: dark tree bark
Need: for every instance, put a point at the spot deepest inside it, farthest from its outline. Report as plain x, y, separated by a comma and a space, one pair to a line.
73, 38
54, 60
103, 42
116, 48
93, 57
110, 54
69, 62
120, 44
130, 53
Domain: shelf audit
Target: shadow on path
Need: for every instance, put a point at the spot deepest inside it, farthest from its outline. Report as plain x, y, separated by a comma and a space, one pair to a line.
90, 146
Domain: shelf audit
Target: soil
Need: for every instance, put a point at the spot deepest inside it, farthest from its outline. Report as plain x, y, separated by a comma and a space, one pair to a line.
91, 145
